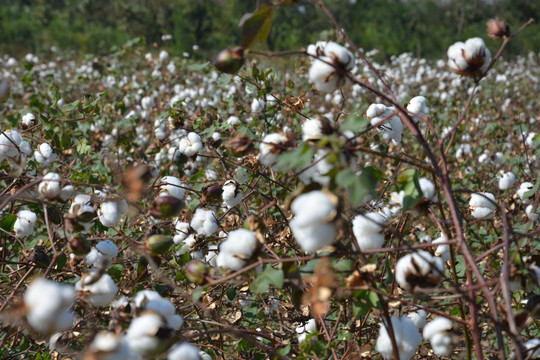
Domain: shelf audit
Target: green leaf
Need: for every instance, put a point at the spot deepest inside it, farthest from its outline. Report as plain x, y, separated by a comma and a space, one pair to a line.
231, 293
355, 123
256, 26
531, 192
411, 188
7, 222
269, 276
83, 147
198, 66
196, 294
298, 158
359, 186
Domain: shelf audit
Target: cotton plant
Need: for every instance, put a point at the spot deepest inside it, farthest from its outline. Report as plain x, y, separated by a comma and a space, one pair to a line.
47, 305
469, 58
311, 225
24, 224
367, 230
315, 129
388, 124
419, 269
237, 249
437, 333
482, 205
14, 149
406, 335
331, 62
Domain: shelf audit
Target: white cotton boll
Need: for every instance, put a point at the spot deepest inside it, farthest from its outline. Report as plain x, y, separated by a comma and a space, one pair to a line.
532, 348
163, 56
367, 228
322, 74
418, 318
110, 346
190, 145
482, 205
469, 58
109, 214
305, 329
184, 351
270, 148
24, 225
391, 127
107, 248
257, 105
182, 230
312, 130
28, 119
147, 102
233, 120
45, 155
506, 180
141, 334
436, 332
406, 335
49, 187
435, 326
66, 192
523, 188
232, 195
236, 249
204, 222
204, 356
428, 189
98, 293
419, 269
418, 106
151, 300
443, 251
531, 214
172, 186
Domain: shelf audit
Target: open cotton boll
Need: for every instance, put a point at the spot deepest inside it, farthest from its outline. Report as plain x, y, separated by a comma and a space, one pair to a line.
49, 187
327, 70
305, 329
420, 269
523, 188
428, 189
311, 224
236, 249
506, 180
418, 318
470, 58
24, 225
257, 105
312, 130
391, 127
110, 212
367, 228
317, 172
271, 147
406, 335
184, 351
418, 106
100, 292
45, 155
530, 212
532, 348
182, 231
204, 222
482, 205
28, 120
190, 145
143, 334
443, 251
172, 186
109, 346
151, 300
47, 305
436, 332
66, 192
232, 195
103, 254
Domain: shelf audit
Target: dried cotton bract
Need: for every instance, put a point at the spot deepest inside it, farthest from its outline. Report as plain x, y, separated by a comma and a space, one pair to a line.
312, 224
406, 335
469, 58
482, 205
331, 63
420, 269
436, 331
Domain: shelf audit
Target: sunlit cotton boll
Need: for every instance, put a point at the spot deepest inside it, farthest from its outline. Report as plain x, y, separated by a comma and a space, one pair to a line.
406, 335
184, 351
532, 348
327, 70
47, 305
420, 269
482, 205
367, 230
506, 180
305, 329
100, 292
312, 224
436, 332
523, 188
418, 318
236, 249
102, 254
530, 212
232, 195
110, 212
151, 300
49, 187
171, 186
45, 155
24, 225
418, 106
190, 145
391, 127
470, 58
204, 222
28, 120
271, 148
443, 251
109, 346
428, 189
144, 334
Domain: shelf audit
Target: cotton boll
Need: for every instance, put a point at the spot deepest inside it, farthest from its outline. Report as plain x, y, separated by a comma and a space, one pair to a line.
506, 180
271, 147
418, 318
367, 228
312, 129
420, 269
151, 300
532, 348
182, 231
428, 189
470, 58
28, 120
110, 212
184, 351
482, 205
391, 125
418, 106
172, 186
443, 251
236, 249
45, 155
436, 332
24, 225
190, 145
331, 61
143, 334
204, 222
232, 194
107, 248
523, 188
531, 214
49, 187
103, 254
406, 335
305, 329
257, 105
66, 192
100, 292
109, 346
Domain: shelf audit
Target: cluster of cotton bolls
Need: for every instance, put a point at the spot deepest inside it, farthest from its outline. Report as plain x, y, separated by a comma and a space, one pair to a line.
14, 149
406, 335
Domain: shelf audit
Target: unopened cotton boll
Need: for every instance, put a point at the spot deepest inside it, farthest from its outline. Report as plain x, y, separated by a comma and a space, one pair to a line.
305, 329
406, 335
482, 205
470, 58
204, 222
232, 195
184, 351
506, 180
418, 106
190, 145
367, 230
109, 346
428, 189
172, 186
47, 305
311, 224
45, 155
436, 332
100, 292
49, 187
420, 269
24, 225
236, 249
523, 188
